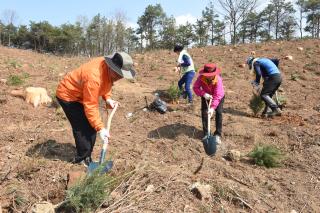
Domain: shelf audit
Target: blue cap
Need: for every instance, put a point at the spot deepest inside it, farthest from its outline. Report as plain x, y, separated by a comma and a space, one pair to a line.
249, 60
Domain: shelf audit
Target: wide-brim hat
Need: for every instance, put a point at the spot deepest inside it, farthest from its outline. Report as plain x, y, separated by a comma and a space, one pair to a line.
122, 64
209, 70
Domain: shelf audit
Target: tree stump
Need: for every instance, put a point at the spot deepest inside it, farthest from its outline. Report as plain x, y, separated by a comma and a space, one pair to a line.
33, 95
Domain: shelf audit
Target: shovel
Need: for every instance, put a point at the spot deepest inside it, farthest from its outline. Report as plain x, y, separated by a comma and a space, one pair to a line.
277, 100
107, 165
209, 142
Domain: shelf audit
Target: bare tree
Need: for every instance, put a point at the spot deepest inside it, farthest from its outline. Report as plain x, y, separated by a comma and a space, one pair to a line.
235, 12
83, 22
120, 30
9, 18
281, 9
301, 5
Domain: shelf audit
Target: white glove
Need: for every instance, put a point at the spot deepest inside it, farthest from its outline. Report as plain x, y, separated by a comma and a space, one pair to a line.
210, 112
207, 96
256, 87
104, 134
112, 103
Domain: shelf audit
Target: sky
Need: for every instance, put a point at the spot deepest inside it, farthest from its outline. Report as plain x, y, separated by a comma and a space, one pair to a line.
58, 12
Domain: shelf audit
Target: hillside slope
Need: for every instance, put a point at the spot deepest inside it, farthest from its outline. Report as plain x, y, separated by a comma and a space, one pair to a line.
165, 151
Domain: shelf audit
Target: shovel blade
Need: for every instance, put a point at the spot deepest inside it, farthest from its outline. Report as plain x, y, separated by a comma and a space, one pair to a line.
210, 145
107, 166
92, 167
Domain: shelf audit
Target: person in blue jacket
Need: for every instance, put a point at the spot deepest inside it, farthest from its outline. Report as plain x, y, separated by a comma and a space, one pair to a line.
186, 67
268, 70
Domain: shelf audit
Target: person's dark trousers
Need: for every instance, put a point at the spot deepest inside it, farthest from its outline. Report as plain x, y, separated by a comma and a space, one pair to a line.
270, 86
204, 116
186, 79
83, 133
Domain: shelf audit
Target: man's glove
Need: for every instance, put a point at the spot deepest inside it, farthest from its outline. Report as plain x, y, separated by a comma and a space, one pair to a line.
210, 112
104, 134
111, 103
254, 83
207, 96
255, 86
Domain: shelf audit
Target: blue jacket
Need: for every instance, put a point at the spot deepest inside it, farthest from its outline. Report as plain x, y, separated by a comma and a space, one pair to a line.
265, 67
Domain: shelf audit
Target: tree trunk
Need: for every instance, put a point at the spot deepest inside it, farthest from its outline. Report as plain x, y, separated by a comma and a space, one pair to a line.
318, 27
212, 27
313, 27
301, 24
234, 32
141, 40
269, 30
277, 26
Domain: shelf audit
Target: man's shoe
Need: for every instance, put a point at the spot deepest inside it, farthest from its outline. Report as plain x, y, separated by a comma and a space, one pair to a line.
76, 160
183, 95
275, 112
84, 162
190, 103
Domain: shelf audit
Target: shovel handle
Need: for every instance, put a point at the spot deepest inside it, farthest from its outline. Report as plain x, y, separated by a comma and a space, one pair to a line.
111, 116
277, 98
106, 141
209, 119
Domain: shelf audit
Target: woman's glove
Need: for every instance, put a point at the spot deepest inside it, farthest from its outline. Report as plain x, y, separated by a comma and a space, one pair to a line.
207, 96
210, 112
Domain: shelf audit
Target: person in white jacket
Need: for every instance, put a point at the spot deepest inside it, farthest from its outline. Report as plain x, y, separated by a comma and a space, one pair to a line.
186, 67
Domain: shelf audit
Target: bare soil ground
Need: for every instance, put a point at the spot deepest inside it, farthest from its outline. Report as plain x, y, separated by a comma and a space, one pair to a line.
165, 151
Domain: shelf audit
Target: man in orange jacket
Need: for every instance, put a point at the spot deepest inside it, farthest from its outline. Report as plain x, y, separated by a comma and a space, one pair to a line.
78, 94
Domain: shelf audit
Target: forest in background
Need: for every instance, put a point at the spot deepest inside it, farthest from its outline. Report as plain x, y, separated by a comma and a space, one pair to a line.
237, 21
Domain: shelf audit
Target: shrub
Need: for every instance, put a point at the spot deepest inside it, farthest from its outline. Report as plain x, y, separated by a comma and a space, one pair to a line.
90, 192
14, 63
266, 155
19, 197
25, 75
15, 80
256, 104
282, 100
173, 92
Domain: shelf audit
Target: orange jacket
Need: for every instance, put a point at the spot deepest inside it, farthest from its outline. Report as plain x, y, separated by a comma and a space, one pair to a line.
85, 84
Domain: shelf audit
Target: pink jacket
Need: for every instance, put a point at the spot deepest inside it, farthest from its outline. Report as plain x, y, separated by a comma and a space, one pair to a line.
200, 87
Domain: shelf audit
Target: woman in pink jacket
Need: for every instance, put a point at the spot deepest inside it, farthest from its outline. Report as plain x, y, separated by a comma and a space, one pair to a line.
209, 86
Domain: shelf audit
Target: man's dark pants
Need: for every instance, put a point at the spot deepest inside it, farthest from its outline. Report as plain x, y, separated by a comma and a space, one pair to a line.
83, 133
270, 85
